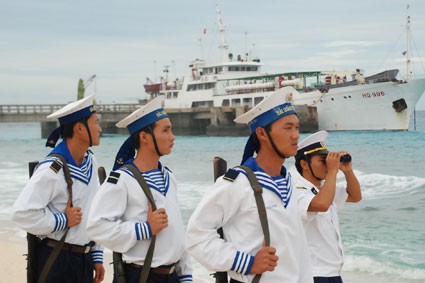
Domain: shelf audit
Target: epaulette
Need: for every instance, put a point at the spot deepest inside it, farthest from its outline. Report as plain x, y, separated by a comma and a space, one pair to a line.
314, 191
168, 169
56, 166
90, 151
301, 188
113, 177
231, 175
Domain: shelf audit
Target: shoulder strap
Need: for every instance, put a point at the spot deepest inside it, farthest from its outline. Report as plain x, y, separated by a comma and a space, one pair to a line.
148, 259
66, 173
258, 191
56, 250
142, 183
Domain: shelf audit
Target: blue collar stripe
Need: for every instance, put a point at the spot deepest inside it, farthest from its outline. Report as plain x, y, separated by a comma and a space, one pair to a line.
271, 116
147, 120
151, 176
80, 114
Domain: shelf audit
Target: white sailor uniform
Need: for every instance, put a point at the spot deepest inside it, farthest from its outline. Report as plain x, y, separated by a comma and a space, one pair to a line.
322, 230
118, 220
231, 204
40, 208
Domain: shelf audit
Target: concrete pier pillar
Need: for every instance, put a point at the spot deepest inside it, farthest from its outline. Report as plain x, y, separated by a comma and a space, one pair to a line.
47, 128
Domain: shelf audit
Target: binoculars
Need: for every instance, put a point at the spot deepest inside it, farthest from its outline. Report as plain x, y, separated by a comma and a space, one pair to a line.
345, 158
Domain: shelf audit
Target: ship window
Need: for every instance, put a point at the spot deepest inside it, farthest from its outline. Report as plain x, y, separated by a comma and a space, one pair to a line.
257, 100
168, 95
243, 68
236, 102
247, 102
175, 94
225, 102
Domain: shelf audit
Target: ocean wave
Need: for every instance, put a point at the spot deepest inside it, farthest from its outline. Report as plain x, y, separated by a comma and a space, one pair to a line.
386, 186
368, 265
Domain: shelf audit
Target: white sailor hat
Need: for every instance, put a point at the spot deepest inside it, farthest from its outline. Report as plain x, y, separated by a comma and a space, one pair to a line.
75, 111
139, 119
314, 144
144, 116
272, 108
70, 113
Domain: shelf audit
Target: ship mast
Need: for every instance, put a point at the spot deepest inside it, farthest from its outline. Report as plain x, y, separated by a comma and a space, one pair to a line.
408, 61
223, 44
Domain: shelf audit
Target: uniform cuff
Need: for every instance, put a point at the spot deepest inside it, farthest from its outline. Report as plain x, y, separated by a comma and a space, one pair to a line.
61, 221
185, 278
97, 256
242, 263
143, 231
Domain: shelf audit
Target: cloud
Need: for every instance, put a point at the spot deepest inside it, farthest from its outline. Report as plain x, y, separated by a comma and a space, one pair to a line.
345, 43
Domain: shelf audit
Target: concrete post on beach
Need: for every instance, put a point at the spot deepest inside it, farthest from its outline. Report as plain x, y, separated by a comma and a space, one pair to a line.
221, 122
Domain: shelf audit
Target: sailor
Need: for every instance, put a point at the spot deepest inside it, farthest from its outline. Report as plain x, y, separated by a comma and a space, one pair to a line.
45, 206
121, 217
231, 205
320, 200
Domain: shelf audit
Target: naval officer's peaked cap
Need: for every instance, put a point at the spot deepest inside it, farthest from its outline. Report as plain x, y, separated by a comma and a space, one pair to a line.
272, 108
314, 144
69, 114
144, 116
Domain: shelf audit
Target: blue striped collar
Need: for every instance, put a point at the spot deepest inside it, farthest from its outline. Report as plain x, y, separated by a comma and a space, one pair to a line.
83, 173
152, 177
280, 185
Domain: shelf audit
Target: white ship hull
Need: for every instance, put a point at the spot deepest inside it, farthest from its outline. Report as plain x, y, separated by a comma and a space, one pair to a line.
365, 107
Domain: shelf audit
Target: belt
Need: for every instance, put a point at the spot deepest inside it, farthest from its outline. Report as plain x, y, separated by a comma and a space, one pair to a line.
69, 247
162, 269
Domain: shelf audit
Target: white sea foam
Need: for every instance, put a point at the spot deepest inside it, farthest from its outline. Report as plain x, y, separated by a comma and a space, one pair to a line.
380, 186
368, 265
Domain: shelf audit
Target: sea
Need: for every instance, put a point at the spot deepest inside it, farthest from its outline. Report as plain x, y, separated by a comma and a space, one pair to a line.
383, 235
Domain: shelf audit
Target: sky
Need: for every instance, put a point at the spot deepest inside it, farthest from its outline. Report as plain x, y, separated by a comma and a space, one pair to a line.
46, 46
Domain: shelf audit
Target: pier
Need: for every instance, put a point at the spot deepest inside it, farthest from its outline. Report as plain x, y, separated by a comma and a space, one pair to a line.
194, 121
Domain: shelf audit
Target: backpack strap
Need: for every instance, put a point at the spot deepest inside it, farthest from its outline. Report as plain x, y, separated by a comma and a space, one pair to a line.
149, 255
258, 193
56, 250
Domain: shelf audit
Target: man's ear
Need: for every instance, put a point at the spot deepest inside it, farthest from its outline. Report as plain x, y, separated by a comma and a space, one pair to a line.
144, 137
78, 127
304, 164
261, 133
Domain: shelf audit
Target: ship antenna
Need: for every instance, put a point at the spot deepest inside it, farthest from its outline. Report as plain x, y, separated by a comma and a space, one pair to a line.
221, 28
408, 61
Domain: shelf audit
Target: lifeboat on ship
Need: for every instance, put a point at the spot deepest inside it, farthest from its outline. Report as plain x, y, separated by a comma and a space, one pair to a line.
152, 87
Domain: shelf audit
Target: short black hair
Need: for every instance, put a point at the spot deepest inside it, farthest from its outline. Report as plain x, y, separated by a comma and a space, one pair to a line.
68, 129
298, 163
135, 137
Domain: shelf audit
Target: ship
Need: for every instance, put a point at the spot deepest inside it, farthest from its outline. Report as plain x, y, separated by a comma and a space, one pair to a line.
342, 100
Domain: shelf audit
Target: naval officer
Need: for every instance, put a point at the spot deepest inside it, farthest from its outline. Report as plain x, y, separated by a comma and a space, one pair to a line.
121, 217
44, 207
320, 200
231, 204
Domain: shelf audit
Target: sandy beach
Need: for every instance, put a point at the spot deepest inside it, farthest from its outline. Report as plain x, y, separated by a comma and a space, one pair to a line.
13, 268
